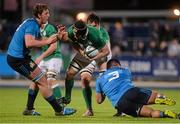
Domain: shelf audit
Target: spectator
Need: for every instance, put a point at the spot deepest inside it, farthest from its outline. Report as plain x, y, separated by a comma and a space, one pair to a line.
174, 48
116, 51
118, 35
141, 49
154, 31
163, 48
166, 33
152, 48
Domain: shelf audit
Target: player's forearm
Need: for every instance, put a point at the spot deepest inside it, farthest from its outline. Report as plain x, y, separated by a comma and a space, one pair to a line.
49, 51
36, 43
30, 41
100, 98
80, 51
101, 54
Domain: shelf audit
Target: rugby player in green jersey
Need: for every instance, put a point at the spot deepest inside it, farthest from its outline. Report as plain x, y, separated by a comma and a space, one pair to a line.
81, 35
51, 59
86, 75
94, 21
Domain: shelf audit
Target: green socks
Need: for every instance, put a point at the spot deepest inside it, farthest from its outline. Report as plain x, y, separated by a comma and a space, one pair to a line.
68, 85
56, 91
87, 93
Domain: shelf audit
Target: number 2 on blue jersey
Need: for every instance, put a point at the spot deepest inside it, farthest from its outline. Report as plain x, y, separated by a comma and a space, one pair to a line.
113, 75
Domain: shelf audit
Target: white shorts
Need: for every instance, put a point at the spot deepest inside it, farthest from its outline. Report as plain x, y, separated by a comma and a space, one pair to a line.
53, 64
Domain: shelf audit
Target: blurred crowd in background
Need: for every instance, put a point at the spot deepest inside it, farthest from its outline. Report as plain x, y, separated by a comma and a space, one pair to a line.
146, 33
154, 38
140, 36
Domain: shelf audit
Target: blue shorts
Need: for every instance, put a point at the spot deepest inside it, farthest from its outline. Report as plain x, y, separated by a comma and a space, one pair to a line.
133, 100
22, 65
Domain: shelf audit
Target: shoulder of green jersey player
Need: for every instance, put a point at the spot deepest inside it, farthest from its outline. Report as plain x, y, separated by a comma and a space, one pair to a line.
49, 30
96, 37
105, 34
71, 34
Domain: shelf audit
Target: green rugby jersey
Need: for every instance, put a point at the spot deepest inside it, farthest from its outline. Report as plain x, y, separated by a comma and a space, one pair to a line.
94, 38
46, 32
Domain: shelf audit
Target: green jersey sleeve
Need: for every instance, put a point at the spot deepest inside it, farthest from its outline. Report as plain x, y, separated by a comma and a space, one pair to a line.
70, 33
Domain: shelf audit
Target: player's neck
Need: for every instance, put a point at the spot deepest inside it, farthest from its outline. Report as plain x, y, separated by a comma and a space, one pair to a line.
39, 22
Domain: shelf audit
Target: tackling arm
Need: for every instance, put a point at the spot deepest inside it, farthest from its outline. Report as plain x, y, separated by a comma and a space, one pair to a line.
30, 41
50, 50
100, 97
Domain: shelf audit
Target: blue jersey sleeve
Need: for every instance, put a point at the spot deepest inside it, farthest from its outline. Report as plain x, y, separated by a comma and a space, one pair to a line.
32, 29
98, 88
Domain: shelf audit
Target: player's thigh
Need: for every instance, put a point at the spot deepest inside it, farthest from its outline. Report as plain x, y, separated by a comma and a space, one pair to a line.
77, 64
26, 67
88, 69
42, 66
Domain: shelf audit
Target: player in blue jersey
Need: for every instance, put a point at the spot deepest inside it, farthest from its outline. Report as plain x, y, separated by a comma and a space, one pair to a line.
27, 36
116, 83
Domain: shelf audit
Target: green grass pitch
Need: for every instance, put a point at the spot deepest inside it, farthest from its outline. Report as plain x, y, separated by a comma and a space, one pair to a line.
13, 101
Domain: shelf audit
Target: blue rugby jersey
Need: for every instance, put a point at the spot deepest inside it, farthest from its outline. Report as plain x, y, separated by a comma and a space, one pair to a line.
114, 83
17, 46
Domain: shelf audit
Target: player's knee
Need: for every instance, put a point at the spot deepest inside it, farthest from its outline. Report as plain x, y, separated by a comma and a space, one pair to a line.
51, 75
69, 75
86, 76
42, 79
42, 82
85, 79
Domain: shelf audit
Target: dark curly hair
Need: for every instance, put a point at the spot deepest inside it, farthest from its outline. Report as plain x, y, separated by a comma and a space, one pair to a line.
92, 17
38, 9
112, 63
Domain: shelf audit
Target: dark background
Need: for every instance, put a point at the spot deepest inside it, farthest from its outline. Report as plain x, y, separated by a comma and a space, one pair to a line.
135, 4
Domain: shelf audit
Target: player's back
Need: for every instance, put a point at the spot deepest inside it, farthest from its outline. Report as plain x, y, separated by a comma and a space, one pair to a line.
96, 37
17, 46
105, 34
115, 82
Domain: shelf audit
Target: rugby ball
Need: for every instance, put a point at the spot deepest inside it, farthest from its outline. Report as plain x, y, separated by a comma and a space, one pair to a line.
91, 51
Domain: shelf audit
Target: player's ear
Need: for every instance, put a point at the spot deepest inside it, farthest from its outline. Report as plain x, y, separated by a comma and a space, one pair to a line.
39, 16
